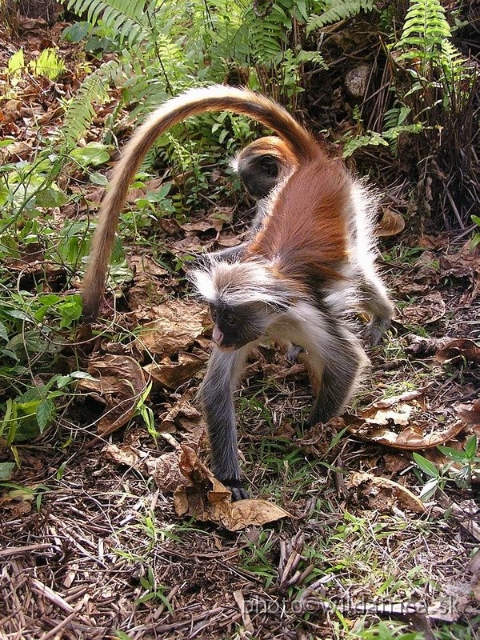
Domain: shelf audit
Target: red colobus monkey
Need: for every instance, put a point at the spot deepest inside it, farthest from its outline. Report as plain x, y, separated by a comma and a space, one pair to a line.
296, 280
190, 103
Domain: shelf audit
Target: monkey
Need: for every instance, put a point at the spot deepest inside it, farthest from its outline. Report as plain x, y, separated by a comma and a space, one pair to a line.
294, 281
261, 166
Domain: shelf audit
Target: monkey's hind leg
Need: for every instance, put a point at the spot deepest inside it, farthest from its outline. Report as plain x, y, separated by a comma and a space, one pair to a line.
333, 354
379, 307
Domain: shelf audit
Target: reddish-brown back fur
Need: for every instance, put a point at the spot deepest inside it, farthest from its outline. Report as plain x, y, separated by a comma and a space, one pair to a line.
305, 236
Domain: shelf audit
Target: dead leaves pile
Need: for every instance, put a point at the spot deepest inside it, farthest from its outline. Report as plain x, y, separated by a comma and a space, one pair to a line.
171, 347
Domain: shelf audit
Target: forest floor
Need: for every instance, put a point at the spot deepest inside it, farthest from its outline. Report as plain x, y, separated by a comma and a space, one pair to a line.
98, 541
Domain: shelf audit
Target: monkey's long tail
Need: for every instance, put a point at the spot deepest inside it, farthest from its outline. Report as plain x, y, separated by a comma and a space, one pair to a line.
192, 102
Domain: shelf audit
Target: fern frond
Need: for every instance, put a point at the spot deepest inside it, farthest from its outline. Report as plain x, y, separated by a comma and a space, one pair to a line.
424, 33
336, 10
80, 111
371, 138
128, 19
434, 62
311, 56
265, 35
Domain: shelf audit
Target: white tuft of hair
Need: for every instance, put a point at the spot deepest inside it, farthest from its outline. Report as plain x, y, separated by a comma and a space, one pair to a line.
238, 283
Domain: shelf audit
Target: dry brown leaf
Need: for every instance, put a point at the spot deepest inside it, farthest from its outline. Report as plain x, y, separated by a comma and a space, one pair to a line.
229, 241
386, 403
426, 310
439, 241
145, 264
206, 499
125, 454
199, 225
214, 221
390, 224
118, 384
175, 329
459, 350
465, 264
414, 436
191, 245
399, 416
470, 414
145, 295
383, 494
16, 151
461, 264
166, 472
185, 416
221, 216
424, 347
171, 374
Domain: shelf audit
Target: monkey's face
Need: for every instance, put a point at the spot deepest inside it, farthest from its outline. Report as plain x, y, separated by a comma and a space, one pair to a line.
236, 326
259, 175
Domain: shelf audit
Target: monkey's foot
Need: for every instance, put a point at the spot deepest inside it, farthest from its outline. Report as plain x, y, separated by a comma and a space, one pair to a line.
375, 329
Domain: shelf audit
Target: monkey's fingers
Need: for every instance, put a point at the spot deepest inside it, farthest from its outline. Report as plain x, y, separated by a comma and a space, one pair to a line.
293, 352
238, 491
375, 330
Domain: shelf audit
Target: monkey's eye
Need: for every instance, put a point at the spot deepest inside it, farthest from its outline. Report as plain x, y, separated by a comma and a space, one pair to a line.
230, 319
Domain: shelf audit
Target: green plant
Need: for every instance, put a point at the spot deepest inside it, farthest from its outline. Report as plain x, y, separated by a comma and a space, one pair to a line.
387, 631
153, 591
19, 492
468, 459
437, 69
476, 236
434, 88
48, 64
462, 467
336, 10
255, 557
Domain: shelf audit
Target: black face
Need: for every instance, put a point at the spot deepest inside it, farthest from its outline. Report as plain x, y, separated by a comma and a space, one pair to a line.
239, 325
269, 166
259, 175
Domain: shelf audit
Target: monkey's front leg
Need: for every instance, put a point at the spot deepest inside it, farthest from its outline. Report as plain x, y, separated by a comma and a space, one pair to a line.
216, 395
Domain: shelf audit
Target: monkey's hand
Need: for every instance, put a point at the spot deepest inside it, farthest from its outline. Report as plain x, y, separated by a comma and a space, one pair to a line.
293, 352
235, 486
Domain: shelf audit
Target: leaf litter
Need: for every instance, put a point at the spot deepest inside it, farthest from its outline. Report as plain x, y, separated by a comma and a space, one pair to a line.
78, 545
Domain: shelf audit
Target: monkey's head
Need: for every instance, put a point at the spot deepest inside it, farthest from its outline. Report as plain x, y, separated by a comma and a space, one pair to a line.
245, 298
262, 164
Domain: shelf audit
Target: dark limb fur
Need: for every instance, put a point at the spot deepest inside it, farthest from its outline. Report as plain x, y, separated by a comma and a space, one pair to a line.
216, 395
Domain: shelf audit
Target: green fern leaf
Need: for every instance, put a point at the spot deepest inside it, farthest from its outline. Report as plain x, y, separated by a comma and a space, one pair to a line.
80, 111
128, 19
336, 10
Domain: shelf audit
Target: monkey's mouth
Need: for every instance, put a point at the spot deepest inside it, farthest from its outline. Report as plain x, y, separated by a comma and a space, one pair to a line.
226, 347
